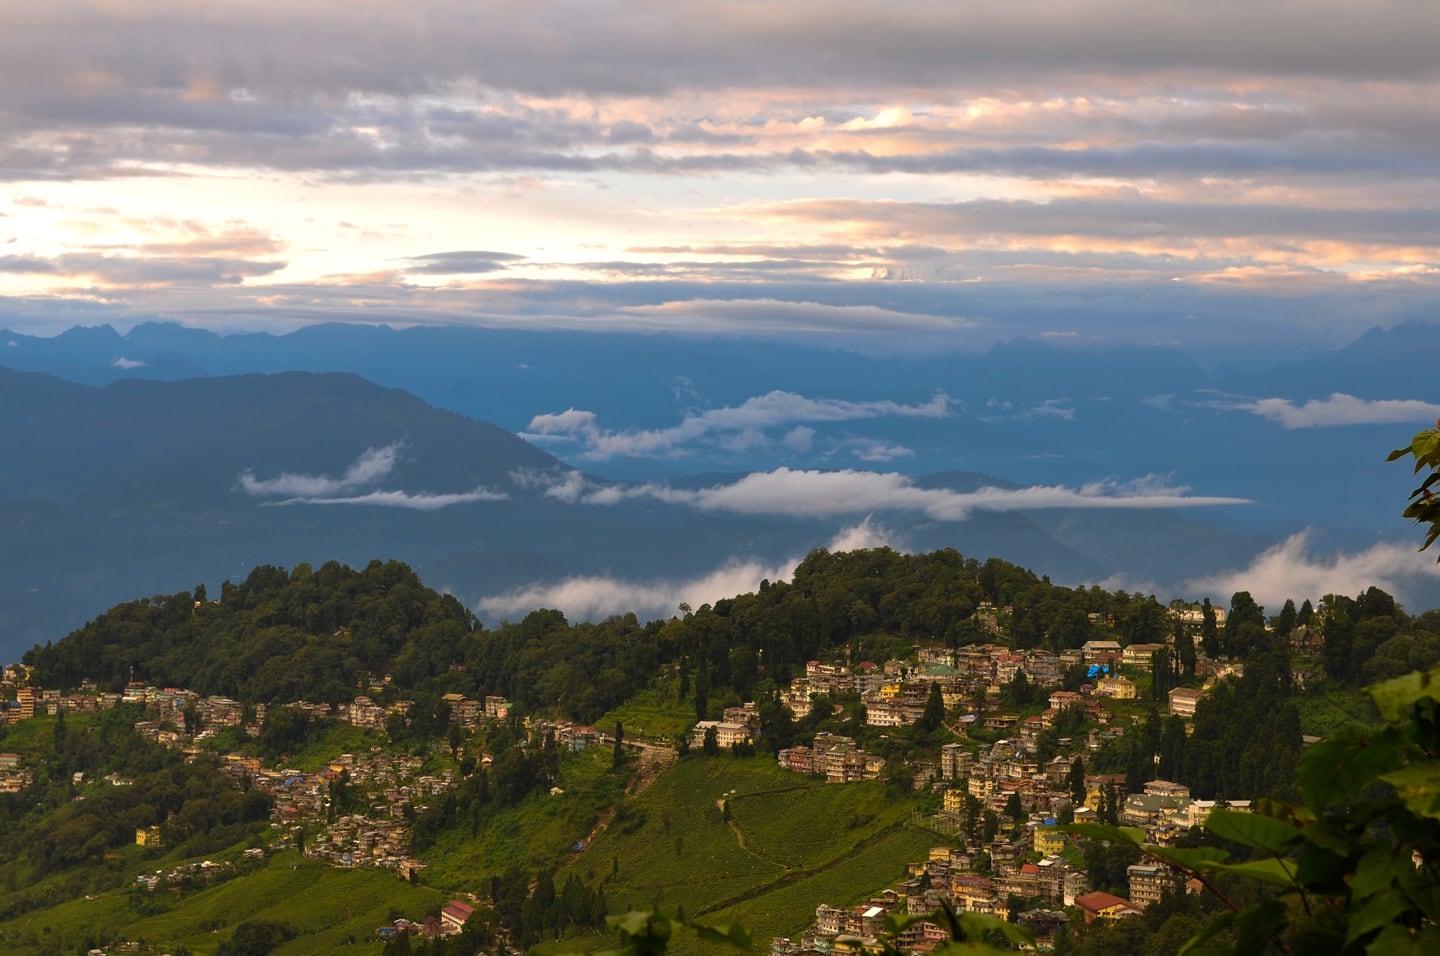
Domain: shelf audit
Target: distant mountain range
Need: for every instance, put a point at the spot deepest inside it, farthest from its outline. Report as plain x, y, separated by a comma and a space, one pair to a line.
148, 462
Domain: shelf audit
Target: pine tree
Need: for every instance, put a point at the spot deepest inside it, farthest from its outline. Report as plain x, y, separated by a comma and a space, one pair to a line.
1209, 633
1077, 782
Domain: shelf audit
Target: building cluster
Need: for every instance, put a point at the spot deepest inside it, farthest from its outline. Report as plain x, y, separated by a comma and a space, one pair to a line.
738, 725
13, 776
833, 757
450, 922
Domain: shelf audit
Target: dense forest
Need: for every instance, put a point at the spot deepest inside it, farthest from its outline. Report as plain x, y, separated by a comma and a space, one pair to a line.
327, 634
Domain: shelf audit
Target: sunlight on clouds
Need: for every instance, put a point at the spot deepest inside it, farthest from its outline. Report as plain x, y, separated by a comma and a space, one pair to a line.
594, 598
828, 494
1341, 409
1290, 570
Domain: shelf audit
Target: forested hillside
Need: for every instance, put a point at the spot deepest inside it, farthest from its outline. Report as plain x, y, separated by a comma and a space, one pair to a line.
286, 645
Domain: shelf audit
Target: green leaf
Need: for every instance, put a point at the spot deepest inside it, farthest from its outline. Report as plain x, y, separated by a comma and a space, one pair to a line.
1322, 871
1376, 871
1132, 836
1257, 926
1419, 787
635, 922
1380, 911
726, 935
977, 925
897, 924
1395, 697
1189, 859
1395, 940
1195, 947
1252, 830
1338, 768
1272, 870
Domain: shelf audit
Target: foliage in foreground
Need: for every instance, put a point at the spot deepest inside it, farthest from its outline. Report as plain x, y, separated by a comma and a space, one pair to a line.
1354, 866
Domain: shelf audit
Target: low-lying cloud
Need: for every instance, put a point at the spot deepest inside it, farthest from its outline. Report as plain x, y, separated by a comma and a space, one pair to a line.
596, 597
372, 467
1291, 570
827, 494
732, 427
1341, 409
416, 501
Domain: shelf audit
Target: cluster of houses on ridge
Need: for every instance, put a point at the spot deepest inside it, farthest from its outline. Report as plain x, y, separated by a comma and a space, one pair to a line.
949, 877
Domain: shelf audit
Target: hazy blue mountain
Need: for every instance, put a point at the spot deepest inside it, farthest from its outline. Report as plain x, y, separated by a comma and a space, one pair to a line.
143, 487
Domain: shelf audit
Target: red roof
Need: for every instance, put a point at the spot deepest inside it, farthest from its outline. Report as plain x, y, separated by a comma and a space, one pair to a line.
1095, 902
457, 910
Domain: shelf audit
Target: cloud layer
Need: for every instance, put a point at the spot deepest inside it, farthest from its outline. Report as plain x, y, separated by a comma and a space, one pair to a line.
737, 428
1340, 409
827, 494
961, 172
1291, 570
372, 467
597, 597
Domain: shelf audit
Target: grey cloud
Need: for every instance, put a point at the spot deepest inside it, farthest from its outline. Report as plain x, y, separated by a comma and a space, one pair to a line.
128, 270
461, 263
26, 264
735, 427
1128, 219
275, 49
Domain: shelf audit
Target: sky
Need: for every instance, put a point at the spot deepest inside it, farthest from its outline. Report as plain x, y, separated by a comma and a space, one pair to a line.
888, 176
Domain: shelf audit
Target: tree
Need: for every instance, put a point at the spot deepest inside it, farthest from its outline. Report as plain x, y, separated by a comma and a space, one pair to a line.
1185, 649
1078, 791
1209, 634
1013, 810
934, 713
619, 756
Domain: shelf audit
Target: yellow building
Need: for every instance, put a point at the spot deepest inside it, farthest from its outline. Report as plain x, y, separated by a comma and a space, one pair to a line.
1049, 841
149, 836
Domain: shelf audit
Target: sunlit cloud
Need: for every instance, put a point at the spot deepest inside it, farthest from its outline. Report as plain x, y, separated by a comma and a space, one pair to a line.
828, 494
596, 597
1292, 570
1341, 409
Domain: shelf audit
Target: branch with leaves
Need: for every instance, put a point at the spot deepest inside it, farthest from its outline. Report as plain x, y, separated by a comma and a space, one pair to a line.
1355, 866
1424, 505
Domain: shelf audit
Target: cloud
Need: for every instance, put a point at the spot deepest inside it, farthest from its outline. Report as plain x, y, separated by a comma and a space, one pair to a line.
372, 466
417, 501
122, 362
869, 449
1291, 571
461, 263
828, 494
735, 428
1001, 410
1341, 409
596, 597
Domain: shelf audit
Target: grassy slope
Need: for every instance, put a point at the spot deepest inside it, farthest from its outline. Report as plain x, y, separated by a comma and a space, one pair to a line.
322, 905
536, 834
654, 712
804, 843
